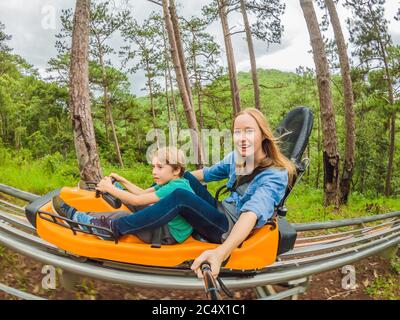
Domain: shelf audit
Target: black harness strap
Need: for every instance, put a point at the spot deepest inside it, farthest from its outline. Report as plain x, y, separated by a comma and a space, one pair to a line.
156, 238
240, 180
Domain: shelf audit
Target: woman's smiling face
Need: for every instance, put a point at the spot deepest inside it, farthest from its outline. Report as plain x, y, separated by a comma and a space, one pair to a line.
247, 136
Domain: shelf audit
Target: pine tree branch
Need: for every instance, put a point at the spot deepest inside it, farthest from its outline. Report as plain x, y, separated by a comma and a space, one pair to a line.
155, 2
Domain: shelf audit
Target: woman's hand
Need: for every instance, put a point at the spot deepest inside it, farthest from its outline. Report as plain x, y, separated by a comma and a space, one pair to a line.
214, 257
238, 234
117, 177
105, 185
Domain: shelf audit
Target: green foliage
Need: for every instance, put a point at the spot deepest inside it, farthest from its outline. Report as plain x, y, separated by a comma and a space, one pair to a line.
305, 205
265, 16
53, 171
87, 290
385, 288
395, 264
37, 119
3, 38
20, 170
368, 30
35, 125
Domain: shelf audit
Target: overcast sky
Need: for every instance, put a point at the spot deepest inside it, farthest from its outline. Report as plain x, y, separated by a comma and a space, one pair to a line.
33, 25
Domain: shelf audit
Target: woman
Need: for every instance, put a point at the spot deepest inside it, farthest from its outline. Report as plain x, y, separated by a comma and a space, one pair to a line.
255, 146
232, 222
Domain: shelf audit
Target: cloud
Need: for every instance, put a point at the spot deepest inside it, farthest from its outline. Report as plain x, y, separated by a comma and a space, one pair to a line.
27, 22
32, 36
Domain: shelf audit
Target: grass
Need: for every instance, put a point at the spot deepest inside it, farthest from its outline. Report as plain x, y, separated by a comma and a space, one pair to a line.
52, 172
395, 264
386, 287
304, 204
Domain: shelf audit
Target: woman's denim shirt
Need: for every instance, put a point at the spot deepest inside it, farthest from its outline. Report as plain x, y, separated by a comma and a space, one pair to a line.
264, 193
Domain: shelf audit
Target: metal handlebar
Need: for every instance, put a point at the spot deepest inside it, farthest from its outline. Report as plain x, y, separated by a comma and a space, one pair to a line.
210, 284
111, 200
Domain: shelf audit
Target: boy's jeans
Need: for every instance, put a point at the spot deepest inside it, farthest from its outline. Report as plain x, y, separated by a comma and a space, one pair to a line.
198, 209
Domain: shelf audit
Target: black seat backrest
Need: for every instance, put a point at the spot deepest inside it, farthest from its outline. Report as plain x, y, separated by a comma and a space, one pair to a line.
294, 132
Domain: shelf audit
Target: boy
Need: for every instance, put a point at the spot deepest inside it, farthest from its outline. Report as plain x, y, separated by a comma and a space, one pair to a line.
168, 169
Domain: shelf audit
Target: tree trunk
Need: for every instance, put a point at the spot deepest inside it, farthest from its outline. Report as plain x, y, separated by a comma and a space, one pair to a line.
199, 100
318, 151
175, 107
197, 85
169, 79
153, 111
200, 105
84, 137
252, 56
104, 84
392, 122
3, 126
106, 123
107, 107
350, 145
392, 115
126, 127
166, 96
166, 78
186, 101
388, 189
179, 46
330, 154
230, 56
115, 137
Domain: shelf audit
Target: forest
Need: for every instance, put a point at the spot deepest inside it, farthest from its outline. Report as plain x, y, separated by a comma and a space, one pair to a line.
36, 133
83, 118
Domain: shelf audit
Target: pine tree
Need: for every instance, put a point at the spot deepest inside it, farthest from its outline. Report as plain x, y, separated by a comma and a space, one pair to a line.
369, 34
143, 52
340, 45
220, 8
330, 154
3, 39
267, 28
182, 79
103, 25
203, 54
85, 141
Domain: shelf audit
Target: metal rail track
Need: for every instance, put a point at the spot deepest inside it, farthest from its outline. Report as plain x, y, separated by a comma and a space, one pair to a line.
312, 257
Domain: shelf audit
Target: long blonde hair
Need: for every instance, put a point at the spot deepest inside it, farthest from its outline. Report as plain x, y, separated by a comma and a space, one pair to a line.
274, 156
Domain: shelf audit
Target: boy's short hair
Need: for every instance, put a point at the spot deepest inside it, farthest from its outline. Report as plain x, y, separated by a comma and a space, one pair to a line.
172, 156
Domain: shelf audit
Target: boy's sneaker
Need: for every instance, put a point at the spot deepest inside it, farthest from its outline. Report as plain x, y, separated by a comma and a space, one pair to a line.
106, 223
63, 209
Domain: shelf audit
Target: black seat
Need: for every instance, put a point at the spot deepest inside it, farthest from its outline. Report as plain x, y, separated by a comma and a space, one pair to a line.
294, 130
293, 133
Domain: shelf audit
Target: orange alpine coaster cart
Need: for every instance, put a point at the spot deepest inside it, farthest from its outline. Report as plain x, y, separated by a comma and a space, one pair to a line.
259, 250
